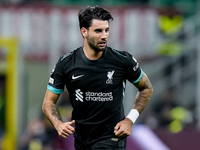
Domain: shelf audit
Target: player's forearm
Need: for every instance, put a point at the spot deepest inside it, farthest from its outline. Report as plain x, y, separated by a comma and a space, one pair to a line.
145, 92
142, 99
51, 112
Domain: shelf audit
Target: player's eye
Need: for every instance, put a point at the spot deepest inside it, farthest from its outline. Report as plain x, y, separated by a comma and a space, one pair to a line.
98, 30
107, 30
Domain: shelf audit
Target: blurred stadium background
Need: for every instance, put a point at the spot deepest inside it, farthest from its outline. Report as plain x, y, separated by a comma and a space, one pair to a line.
163, 35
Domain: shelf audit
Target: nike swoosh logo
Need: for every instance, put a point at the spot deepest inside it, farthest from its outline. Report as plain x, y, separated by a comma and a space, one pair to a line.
76, 77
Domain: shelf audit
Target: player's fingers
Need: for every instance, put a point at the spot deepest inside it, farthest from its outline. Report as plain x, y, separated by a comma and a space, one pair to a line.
121, 133
69, 127
118, 133
67, 131
63, 134
72, 122
116, 128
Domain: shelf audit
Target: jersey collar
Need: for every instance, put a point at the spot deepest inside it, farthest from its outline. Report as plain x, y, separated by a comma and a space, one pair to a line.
92, 61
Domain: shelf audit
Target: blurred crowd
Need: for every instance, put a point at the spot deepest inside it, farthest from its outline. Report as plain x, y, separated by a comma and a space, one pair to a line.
65, 2
170, 115
41, 135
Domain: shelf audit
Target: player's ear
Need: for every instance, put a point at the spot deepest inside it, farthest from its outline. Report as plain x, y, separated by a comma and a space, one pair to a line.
84, 32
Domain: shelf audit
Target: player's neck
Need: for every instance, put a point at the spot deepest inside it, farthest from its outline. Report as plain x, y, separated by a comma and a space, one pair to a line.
91, 54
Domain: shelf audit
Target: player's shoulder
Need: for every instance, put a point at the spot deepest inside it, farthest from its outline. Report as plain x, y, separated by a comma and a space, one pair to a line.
119, 53
69, 55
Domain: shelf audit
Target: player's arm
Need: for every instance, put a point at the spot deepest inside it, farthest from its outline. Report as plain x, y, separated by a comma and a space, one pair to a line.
145, 91
51, 111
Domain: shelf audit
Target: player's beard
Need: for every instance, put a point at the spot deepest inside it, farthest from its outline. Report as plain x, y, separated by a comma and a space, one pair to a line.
95, 47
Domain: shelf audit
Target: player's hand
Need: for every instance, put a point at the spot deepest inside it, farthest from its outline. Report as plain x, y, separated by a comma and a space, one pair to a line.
123, 128
65, 129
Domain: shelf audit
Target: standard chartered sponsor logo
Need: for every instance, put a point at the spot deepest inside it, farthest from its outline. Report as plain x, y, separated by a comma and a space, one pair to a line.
98, 96
93, 96
79, 95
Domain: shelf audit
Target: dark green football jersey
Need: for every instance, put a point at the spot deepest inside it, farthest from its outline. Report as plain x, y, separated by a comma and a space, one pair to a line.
96, 89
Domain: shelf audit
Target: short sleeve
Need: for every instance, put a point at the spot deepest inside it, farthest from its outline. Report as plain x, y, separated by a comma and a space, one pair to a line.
56, 80
133, 70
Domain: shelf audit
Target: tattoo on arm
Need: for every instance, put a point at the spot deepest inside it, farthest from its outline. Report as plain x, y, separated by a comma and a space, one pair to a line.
55, 112
145, 92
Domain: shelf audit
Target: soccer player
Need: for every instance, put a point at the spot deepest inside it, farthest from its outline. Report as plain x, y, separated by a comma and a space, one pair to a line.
95, 77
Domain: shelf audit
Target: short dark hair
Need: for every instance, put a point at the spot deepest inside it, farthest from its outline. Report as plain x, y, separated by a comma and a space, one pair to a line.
89, 13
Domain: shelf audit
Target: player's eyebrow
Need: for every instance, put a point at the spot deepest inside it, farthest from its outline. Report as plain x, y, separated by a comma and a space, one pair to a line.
99, 29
